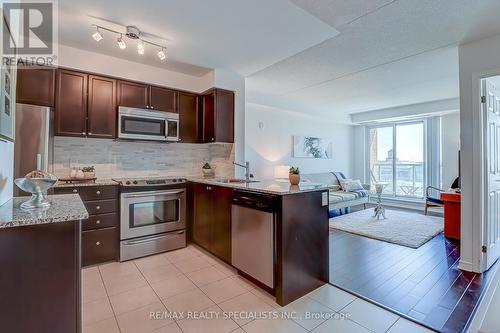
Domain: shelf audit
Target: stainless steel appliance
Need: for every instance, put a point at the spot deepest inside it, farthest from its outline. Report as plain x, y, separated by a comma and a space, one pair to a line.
152, 216
34, 141
142, 124
252, 235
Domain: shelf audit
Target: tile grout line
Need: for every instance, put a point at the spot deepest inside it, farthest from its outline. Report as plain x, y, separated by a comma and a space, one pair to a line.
109, 300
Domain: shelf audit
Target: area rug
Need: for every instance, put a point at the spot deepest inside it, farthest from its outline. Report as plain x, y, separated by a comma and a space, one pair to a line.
403, 228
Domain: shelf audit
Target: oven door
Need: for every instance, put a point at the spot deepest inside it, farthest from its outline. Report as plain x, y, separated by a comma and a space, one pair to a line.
152, 212
142, 128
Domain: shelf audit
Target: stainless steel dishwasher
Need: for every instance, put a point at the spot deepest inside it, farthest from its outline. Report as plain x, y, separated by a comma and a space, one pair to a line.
252, 233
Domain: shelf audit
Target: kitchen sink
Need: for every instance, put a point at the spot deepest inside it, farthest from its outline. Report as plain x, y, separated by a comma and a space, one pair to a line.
234, 181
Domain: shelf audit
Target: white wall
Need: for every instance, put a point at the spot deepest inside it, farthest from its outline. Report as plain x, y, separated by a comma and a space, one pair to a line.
99, 63
6, 171
476, 60
272, 145
450, 145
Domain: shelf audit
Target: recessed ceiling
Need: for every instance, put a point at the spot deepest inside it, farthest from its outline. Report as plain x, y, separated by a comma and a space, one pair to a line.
242, 36
388, 53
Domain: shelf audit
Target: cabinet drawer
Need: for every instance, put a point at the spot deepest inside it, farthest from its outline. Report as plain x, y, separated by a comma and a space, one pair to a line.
88, 193
100, 221
101, 206
99, 246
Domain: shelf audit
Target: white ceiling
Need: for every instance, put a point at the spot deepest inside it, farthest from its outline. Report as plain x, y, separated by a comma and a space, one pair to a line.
243, 36
388, 53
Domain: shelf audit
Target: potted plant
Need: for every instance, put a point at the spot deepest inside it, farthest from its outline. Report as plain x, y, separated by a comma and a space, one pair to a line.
207, 170
294, 175
89, 172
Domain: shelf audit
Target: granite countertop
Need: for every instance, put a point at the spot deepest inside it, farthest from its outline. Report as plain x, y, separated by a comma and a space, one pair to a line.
265, 186
78, 184
65, 207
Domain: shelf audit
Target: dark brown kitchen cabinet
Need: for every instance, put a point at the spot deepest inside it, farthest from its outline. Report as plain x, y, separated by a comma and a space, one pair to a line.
71, 103
102, 112
133, 94
163, 99
212, 219
99, 246
217, 116
36, 86
188, 117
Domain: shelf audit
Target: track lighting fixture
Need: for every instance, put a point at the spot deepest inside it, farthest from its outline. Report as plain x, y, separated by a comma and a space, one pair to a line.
140, 48
97, 35
161, 54
121, 42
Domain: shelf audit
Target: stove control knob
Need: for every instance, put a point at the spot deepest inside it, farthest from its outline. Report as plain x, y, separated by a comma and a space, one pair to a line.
127, 182
135, 182
174, 180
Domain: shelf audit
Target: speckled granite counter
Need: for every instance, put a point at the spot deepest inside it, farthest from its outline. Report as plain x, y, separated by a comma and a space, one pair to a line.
265, 186
96, 183
65, 207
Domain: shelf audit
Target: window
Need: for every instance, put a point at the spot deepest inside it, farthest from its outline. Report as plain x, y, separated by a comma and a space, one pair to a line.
396, 156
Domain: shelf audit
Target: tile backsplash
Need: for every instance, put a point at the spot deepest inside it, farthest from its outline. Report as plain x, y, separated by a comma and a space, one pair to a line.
138, 159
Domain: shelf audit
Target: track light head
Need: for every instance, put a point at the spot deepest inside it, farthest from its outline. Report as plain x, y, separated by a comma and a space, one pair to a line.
97, 35
121, 43
161, 54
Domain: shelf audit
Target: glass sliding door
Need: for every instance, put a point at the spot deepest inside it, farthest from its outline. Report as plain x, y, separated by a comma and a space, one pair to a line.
396, 156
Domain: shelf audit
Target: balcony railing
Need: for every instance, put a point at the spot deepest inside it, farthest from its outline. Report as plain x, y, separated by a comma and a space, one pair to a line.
409, 178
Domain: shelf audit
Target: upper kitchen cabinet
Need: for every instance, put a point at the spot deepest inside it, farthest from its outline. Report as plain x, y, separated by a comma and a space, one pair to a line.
71, 103
163, 99
187, 106
36, 86
102, 111
133, 94
217, 116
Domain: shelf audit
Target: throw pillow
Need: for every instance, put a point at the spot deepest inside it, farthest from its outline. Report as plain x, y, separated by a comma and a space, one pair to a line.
351, 185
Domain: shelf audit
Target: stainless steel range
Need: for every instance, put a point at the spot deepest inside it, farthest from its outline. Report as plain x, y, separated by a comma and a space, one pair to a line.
153, 216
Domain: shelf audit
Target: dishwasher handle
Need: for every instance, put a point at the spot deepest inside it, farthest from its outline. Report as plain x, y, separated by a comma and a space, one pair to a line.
256, 201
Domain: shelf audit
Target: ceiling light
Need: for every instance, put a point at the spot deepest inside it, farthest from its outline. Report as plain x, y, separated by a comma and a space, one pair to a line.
97, 35
140, 48
121, 43
161, 55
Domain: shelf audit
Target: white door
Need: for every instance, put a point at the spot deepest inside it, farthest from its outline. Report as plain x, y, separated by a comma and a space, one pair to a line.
491, 110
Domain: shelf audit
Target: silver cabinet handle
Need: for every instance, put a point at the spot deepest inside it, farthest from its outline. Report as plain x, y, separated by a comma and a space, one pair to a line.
98, 222
83, 133
89, 133
98, 207
98, 192
97, 243
75, 190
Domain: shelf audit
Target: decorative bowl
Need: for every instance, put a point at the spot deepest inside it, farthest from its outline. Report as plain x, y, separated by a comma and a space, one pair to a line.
37, 183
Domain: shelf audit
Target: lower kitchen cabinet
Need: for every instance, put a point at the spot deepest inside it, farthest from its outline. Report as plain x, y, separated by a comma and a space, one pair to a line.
99, 245
212, 219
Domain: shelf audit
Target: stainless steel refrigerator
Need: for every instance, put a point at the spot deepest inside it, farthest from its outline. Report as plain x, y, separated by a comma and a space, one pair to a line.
34, 142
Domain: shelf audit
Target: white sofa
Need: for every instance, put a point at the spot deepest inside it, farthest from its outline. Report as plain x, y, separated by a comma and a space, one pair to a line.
339, 201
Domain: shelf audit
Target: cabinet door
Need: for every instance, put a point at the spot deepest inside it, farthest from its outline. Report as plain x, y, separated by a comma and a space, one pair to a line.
163, 99
208, 118
132, 94
99, 246
36, 86
101, 107
221, 223
202, 215
188, 117
71, 104
224, 115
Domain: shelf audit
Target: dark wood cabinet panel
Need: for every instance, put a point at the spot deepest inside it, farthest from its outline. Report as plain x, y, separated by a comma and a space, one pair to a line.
224, 115
101, 221
202, 215
102, 111
218, 116
163, 99
212, 219
71, 103
133, 94
188, 117
36, 86
221, 222
101, 206
88, 193
99, 246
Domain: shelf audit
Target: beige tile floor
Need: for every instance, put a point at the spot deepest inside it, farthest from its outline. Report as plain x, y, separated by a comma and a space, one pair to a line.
190, 291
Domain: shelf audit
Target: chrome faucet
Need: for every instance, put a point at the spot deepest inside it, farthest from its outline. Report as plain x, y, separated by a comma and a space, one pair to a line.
248, 175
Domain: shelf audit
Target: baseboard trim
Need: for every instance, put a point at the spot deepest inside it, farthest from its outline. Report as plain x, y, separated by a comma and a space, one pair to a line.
466, 266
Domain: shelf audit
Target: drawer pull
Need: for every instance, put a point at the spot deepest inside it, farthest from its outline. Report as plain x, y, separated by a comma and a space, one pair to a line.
97, 243
97, 207
98, 222
98, 192
75, 190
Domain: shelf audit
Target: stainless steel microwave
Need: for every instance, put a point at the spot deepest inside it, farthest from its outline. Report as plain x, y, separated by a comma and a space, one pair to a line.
141, 124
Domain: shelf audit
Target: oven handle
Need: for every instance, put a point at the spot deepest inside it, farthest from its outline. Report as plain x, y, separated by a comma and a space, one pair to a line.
148, 239
150, 193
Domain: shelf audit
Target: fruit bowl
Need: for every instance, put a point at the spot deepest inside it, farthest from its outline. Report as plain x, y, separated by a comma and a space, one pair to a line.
37, 183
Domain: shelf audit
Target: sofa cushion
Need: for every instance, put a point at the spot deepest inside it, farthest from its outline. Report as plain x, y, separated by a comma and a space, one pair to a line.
341, 196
